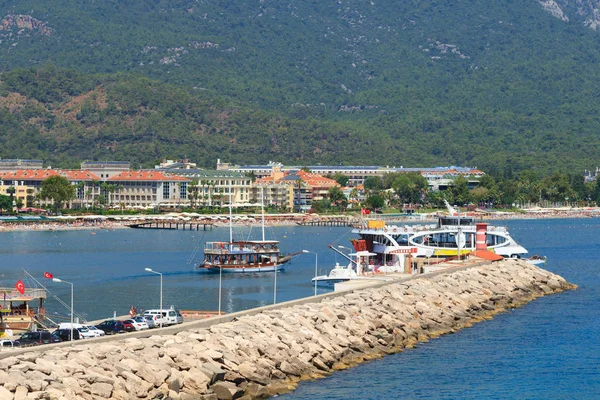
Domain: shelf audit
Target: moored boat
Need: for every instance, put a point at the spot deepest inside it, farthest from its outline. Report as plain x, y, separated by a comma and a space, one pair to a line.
243, 255
338, 274
452, 235
359, 267
536, 260
21, 312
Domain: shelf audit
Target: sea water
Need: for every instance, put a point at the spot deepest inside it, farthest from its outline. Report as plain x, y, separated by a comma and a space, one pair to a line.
548, 349
107, 268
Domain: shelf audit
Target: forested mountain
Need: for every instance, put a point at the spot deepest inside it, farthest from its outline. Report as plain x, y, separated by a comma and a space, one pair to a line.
500, 85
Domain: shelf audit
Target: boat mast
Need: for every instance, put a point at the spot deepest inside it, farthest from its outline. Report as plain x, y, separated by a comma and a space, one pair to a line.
262, 207
230, 214
458, 238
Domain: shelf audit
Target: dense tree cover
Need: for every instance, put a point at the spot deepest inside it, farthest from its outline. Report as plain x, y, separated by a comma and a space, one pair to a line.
502, 85
526, 189
5, 203
58, 189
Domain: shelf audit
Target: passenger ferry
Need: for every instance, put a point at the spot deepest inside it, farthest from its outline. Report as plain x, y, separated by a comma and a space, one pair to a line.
451, 235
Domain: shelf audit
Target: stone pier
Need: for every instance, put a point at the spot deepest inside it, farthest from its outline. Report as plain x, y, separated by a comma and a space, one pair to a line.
260, 353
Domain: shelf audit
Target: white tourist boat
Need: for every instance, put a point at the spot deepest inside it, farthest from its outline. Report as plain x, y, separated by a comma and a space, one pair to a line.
339, 273
452, 234
359, 267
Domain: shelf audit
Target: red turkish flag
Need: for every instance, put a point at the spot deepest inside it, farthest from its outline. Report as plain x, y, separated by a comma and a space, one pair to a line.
20, 286
48, 275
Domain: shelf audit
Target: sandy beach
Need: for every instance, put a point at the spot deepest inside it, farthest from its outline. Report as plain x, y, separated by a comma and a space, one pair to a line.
123, 222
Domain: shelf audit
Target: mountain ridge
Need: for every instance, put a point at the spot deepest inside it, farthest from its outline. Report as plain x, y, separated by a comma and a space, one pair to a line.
421, 82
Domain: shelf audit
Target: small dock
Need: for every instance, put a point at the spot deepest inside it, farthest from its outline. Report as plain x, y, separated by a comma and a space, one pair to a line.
182, 226
328, 222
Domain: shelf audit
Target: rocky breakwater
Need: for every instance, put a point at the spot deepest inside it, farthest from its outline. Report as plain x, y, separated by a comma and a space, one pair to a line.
257, 355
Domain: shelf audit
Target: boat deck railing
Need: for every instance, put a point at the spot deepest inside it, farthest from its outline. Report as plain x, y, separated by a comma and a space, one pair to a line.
216, 248
11, 294
395, 229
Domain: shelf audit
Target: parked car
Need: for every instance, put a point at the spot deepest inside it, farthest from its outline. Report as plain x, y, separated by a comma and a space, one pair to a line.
84, 332
150, 320
65, 334
95, 330
179, 317
164, 317
138, 323
128, 325
9, 343
111, 326
37, 338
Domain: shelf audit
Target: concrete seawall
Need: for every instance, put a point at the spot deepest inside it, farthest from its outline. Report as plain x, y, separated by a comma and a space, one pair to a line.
260, 353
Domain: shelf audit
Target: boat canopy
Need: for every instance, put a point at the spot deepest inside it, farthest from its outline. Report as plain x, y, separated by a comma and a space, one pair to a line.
362, 254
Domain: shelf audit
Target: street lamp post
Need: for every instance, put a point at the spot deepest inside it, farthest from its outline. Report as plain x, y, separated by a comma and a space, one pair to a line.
316, 266
161, 306
266, 257
72, 310
275, 284
220, 283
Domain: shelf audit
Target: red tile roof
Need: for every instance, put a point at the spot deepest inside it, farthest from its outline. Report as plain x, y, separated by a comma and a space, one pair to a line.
42, 174
487, 255
147, 176
77, 175
316, 180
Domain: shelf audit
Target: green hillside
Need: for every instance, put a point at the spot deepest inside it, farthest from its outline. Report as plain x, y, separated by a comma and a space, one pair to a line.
502, 85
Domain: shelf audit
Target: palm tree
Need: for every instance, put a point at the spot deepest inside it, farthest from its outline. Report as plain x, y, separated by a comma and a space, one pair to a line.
193, 192
111, 190
103, 193
11, 191
205, 184
119, 189
79, 187
211, 188
94, 183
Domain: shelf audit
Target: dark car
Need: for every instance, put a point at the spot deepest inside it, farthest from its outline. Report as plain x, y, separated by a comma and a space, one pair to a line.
65, 334
111, 326
128, 326
37, 338
9, 343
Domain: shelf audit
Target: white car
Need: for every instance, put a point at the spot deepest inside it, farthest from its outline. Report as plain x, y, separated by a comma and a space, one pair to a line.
96, 331
85, 333
83, 330
138, 324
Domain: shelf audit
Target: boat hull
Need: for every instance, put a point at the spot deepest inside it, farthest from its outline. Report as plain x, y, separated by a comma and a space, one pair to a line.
240, 269
328, 282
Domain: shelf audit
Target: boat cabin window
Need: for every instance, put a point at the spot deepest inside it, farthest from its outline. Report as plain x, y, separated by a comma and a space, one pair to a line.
445, 239
378, 239
401, 239
455, 221
493, 240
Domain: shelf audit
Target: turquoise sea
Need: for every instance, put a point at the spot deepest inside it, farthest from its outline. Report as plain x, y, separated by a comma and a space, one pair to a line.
549, 349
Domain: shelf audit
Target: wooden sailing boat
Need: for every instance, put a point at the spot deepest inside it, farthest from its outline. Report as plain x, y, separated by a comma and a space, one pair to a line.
243, 255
